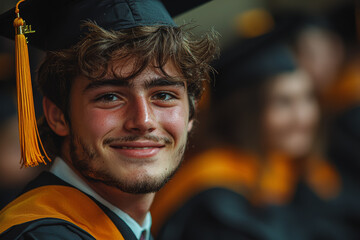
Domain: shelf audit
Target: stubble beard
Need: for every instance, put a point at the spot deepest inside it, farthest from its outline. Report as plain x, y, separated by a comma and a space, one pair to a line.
84, 158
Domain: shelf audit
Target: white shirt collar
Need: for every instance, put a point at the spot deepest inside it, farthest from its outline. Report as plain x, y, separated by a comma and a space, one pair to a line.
60, 169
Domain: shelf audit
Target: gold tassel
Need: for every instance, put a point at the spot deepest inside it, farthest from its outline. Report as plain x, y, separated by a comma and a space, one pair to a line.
28, 131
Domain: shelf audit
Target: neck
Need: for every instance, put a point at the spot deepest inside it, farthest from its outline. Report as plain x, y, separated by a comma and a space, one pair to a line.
135, 205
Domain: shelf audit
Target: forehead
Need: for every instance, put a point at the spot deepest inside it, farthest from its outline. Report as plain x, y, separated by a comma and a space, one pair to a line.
121, 73
291, 83
125, 70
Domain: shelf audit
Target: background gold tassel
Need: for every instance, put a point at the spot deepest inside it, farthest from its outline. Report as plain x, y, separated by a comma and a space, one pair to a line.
28, 131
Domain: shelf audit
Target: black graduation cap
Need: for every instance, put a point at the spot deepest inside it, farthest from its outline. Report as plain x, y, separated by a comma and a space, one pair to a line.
58, 23
252, 61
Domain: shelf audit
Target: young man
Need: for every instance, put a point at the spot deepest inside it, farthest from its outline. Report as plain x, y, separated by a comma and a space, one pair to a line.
118, 105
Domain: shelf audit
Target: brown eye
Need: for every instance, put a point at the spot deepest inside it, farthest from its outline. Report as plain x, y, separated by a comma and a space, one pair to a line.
108, 98
163, 96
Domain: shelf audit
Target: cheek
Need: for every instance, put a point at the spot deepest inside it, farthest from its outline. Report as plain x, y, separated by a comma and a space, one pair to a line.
313, 116
276, 119
173, 120
96, 123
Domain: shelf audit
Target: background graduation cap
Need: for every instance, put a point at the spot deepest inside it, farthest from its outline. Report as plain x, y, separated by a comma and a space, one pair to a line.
251, 61
58, 26
57, 23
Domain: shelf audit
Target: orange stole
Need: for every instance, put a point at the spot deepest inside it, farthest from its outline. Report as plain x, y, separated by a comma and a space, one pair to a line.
52, 202
345, 92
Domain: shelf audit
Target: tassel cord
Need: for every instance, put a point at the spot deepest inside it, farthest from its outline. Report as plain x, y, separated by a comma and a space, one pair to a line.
29, 136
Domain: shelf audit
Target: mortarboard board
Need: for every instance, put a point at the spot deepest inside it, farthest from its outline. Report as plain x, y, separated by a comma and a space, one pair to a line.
57, 23
58, 26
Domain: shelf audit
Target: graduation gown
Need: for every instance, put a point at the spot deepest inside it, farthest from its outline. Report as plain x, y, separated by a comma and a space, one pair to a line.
220, 213
208, 199
344, 142
50, 208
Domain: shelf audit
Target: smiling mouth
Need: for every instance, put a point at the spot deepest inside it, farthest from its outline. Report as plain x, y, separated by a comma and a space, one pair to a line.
137, 150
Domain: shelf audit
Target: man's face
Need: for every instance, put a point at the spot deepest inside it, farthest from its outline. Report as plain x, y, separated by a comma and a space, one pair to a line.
131, 135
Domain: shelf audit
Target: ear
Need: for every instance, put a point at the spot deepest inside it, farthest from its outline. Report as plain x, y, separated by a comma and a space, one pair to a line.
190, 125
55, 118
191, 121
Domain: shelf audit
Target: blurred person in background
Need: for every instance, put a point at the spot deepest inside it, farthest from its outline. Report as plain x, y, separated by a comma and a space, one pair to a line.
328, 47
265, 174
342, 103
320, 50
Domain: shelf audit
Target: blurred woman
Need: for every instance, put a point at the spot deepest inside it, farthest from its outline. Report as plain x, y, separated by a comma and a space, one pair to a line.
264, 175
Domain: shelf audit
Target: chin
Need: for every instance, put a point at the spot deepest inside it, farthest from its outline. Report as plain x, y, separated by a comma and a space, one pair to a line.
142, 184
298, 151
136, 180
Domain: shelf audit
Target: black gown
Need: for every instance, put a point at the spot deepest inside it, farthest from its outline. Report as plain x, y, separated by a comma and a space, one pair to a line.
220, 213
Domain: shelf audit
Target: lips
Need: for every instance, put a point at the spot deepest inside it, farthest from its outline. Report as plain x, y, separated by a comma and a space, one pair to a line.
138, 149
123, 147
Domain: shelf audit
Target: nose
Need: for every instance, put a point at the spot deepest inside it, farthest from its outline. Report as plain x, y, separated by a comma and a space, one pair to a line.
305, 114
139, 117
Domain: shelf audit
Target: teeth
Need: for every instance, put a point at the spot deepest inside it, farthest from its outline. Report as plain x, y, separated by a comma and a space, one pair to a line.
135, 147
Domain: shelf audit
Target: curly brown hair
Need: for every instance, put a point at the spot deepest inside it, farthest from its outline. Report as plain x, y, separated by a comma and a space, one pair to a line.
144, 45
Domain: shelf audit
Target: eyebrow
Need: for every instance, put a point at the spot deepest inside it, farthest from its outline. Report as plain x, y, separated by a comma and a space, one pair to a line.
106, 82
159, 82
155, 82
